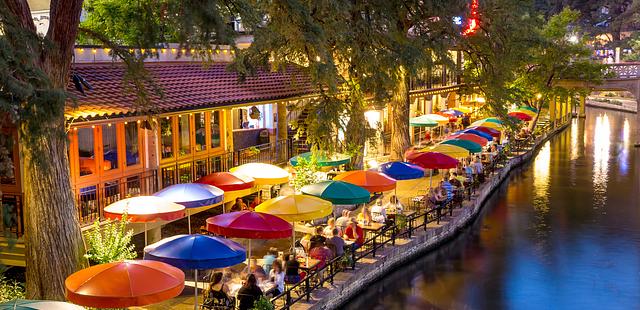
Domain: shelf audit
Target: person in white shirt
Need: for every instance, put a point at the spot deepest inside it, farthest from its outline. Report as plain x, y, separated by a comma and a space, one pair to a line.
394, 204
378, 212
276, 275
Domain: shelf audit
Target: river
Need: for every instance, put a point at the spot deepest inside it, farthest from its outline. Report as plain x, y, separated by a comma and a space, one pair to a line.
562, 233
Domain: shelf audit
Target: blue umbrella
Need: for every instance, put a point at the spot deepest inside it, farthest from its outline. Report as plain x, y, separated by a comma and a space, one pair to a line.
401, 170
455, 113
196, 252
192, 195
478, 133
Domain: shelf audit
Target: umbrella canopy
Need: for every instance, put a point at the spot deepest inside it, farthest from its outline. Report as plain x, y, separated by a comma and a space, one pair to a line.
372, 181
296, 208
452, 118
124, 284
432, 160
192, 195
449, 150
490, 131
470, 137
196, 252
249, 225
521, 116
401, 170
227, 181
463, 109
441, 120
25, 304
263, 174
485, 123
422, 121
456, 113
525, 111
466, 144
338, 192
528, 108
143, 209
323, 160
475, 132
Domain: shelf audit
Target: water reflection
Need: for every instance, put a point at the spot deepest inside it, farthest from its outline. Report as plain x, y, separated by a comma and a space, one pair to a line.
540, 244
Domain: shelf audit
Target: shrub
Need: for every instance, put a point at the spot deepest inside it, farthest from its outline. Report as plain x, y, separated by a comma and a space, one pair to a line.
10, 289
110, 242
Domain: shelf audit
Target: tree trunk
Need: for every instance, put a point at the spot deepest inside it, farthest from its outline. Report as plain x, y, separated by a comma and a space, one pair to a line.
53, 240
400, 106
356, 135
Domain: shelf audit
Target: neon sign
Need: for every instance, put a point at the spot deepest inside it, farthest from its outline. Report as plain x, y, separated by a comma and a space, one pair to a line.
473, 22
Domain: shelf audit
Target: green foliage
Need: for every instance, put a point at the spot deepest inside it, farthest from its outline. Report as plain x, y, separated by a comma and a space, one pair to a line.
10, 289
635, 50
110, 242
305, 172
263, 303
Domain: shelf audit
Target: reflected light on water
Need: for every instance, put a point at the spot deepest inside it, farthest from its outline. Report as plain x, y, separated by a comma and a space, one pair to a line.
541, 169
623, 161
601, 147
575, 151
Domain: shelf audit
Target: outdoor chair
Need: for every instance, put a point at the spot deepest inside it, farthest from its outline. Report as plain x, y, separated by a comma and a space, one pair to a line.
218, 301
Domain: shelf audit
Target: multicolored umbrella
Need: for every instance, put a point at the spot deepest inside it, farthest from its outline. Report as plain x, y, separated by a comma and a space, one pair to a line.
191, 195
470, 146
486, 123
441, 120
422, 121
372, 181
449, 150
490, 131
524, 107
452, 118
227, 181
526, 111
322, 159
477, 133
521, 116
25, 304
471, 137
124, 284
196, 252
263, 174
144, 209
401, 170
463, 109
454, 112
338, 192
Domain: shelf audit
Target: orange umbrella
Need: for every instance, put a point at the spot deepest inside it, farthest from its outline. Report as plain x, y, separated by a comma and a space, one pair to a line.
372, 181
124, 284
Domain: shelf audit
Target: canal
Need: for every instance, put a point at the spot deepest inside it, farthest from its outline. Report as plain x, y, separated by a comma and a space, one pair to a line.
562, 233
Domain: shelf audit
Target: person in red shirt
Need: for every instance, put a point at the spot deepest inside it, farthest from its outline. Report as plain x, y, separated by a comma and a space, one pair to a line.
355, 233
321, 253
255, 202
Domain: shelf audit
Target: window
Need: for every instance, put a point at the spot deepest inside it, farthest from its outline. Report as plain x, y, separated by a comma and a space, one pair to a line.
131, 144
86, 151
8, 171
183, 135
109, 147
201, 131
215, 129
166, 138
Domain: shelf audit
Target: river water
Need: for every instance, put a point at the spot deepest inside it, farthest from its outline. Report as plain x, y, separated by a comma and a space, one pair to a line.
562, 233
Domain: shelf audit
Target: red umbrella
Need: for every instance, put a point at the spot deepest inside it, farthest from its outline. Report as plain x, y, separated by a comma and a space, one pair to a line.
227, 181
124, 284
452, 118
490, 131
434, 160
372, 181
469, 137
249, 225
521, 116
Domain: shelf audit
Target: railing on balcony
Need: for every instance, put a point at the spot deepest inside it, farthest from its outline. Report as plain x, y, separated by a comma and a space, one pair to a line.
629, 70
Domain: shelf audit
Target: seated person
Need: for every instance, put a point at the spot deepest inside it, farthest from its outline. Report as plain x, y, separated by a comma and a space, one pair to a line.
378, 212
217, 292
394, 204
364, 217
448, 188
317, 238
268, 259
343, 221
322, 253
239, 205
249, 293
255, 202
331, 225
255, 269
437, 196
337, 241
355, 233
455, 182
306, 241
276, 275
291, 269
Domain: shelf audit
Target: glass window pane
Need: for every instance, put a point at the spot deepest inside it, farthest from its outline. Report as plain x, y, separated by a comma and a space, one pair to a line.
215, 129
86, 151
131, 143
183, 135
166, 137
109, 148
8, 173
201, 134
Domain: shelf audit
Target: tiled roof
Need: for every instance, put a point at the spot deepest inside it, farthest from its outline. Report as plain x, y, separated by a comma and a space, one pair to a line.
185, 86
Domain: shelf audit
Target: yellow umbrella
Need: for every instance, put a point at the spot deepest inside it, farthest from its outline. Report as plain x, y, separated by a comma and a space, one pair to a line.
484, 123
295, 208
448, 149
525, 111
263, 174
463, 109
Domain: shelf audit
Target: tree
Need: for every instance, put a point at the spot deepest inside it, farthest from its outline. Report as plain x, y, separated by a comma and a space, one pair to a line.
110, 242
35, 71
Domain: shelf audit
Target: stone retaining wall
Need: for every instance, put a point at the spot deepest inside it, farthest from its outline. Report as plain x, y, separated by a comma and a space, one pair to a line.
423, 242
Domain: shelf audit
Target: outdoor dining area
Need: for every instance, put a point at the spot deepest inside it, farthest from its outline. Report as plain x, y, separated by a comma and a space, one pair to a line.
279, 250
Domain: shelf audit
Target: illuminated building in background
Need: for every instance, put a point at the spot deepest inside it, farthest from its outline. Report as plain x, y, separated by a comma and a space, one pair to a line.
473, 23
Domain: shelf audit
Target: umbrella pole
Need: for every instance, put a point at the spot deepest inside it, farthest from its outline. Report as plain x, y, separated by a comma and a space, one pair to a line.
293, 238
430, 177
189, 220
145, 233
195, 292
249, 258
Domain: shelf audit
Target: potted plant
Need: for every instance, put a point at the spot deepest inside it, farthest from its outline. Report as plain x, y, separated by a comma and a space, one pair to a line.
254, 113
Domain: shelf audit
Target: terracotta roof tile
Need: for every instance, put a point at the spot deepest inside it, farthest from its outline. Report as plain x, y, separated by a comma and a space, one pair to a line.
185, 86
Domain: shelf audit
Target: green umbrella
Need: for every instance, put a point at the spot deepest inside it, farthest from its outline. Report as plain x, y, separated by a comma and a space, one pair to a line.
322, 159
338, 192
422, 121
465, 144
25, 304
524, 107
493, 120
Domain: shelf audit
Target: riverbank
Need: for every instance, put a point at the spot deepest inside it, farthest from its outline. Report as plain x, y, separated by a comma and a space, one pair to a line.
348, 283
610, 106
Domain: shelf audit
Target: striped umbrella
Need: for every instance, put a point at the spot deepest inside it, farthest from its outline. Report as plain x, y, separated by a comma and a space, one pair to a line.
466, 144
